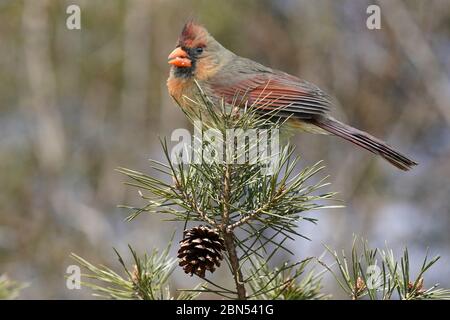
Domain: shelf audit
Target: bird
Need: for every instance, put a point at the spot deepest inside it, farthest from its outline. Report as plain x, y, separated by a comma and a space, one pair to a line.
199, 60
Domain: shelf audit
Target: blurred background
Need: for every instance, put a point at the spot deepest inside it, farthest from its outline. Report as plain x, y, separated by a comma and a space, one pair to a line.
76, 104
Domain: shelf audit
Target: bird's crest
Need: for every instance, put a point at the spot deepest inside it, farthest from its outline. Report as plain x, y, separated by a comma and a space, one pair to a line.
192, 33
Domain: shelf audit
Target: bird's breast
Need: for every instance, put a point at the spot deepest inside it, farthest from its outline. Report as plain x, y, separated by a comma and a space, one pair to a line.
179, 87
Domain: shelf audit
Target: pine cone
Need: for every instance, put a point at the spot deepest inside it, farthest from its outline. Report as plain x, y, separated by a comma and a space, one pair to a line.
200, 250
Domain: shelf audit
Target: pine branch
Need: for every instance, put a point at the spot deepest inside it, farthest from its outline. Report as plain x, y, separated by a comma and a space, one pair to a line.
229, 236
147, 279
289, 282
10, 289
263, 194
376, 274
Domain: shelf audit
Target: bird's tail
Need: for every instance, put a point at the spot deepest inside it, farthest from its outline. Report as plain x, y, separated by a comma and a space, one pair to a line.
366, 141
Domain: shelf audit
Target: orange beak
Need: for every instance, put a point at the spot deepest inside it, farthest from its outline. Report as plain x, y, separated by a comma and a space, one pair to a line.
179, 58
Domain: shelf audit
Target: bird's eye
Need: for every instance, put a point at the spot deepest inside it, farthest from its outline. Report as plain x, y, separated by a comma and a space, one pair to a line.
198, 50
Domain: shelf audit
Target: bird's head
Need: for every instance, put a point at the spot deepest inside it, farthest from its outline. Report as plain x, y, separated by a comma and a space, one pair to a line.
197, 54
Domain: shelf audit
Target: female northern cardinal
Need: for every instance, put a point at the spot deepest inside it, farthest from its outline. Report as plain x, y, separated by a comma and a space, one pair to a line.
222, 74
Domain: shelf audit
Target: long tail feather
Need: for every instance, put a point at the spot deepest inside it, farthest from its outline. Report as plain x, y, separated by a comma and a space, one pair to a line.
366, 141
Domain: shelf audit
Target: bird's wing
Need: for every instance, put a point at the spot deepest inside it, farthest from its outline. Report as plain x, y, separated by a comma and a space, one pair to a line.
268, 91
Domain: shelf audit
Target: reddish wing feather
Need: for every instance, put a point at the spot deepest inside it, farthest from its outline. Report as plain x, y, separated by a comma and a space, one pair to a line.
269, 91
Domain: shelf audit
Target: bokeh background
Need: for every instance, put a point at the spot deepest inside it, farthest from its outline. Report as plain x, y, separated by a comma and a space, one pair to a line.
76, 104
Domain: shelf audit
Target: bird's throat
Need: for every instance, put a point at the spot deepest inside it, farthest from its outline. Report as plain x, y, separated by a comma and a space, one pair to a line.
180, 86
184, 72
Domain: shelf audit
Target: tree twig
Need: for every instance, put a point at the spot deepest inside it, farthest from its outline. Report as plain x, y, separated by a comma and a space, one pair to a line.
229, 236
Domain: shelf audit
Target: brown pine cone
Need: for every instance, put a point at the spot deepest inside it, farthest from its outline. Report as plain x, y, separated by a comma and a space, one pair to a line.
200, 250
